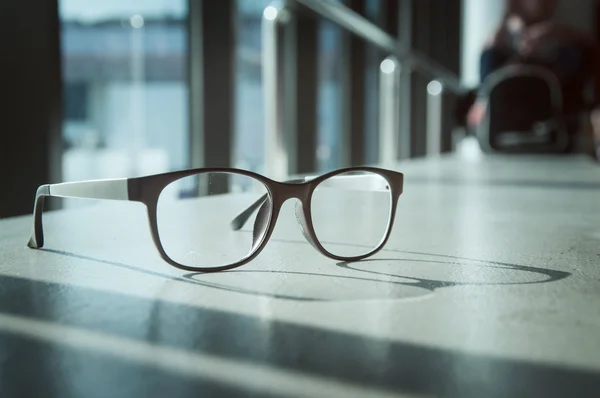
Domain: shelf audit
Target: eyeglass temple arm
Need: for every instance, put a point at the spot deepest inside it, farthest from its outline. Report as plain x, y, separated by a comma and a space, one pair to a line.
238, 222
113, 189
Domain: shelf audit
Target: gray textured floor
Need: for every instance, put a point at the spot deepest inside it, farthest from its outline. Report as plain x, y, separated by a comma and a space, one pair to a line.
489, 286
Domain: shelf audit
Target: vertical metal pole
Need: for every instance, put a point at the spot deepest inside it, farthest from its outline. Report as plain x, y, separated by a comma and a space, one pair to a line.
276, 160
211, 86
355, 67
434, 118
303, 145
138, 128
405, 35
196, 82
345, 143
290, 91
389, 120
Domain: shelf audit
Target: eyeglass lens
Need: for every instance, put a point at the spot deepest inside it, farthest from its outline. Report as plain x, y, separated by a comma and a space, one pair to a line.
351, 213
194, 215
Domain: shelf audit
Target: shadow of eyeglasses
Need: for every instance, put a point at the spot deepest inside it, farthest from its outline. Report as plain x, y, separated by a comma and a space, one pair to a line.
274, 284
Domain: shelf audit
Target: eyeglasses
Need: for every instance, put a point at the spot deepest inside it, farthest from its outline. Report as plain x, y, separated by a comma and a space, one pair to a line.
197, 217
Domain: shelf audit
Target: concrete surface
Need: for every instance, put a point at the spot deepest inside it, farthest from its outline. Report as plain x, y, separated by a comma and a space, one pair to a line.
489, 286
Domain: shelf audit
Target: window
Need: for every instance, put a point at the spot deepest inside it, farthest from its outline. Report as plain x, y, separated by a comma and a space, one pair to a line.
331, 72
76, 101
125, 94
249, 102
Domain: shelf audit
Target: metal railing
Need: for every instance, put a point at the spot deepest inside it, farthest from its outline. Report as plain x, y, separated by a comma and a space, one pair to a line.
389, 117
276, 155
401, 58
353, 22
434, 118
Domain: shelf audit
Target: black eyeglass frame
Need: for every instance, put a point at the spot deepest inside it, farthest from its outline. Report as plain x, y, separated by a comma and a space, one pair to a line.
147, 190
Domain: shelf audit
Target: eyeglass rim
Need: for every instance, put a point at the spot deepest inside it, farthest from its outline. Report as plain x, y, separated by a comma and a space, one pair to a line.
147, 190
375, 249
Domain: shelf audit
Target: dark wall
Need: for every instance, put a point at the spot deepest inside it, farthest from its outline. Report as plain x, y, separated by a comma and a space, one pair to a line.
30, 98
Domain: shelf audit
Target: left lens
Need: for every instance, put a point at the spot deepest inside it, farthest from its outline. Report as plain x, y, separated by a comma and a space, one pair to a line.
351, 213
194, 217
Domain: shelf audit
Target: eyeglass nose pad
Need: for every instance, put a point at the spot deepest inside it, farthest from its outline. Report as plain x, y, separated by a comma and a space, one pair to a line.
304, 225
261, 223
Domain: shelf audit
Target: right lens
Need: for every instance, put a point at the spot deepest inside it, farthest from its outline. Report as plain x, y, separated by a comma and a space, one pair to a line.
194, 217
351, 213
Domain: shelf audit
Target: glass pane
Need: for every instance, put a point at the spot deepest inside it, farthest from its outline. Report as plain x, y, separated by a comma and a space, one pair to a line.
330, 128
194, 219
125, 87
351, 213
249, 106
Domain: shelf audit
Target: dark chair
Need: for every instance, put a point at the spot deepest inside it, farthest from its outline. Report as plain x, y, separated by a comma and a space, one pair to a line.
524, 112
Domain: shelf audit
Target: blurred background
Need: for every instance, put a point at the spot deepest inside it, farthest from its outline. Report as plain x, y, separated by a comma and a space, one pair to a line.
112, 88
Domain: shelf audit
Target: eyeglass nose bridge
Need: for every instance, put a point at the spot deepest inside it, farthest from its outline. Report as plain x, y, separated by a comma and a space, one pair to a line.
295, 189
304, 227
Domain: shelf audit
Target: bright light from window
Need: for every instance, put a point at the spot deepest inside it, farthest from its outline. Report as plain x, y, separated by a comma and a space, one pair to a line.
388, 66
434, 88
270, 13
137, 21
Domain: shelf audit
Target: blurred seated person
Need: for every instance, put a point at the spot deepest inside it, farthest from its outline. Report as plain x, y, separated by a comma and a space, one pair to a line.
529, 36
